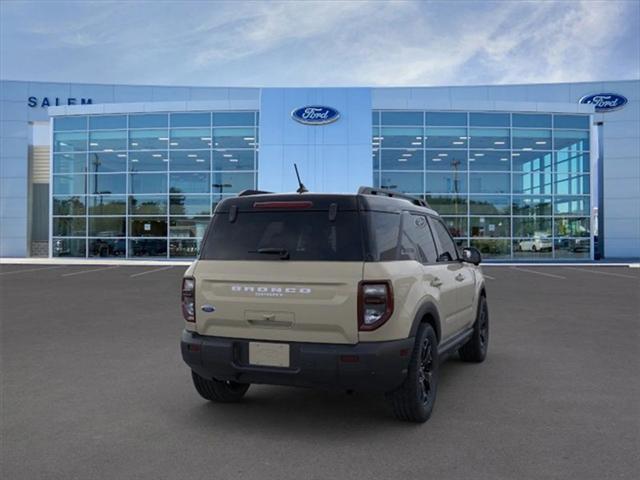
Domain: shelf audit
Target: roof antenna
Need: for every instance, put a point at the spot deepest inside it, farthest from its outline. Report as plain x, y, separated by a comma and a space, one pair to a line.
301, 188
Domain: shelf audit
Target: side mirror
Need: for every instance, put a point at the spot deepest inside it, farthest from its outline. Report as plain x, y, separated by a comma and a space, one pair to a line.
471, 255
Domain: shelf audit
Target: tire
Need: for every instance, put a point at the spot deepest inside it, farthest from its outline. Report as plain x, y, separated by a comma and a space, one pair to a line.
413, 401
534, 248
217, 391
475, 350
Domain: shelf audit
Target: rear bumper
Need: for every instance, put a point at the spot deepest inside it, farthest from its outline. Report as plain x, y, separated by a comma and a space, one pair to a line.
371, 366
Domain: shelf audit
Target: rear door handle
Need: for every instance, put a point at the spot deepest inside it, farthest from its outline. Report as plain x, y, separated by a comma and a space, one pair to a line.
436, 282
459, 277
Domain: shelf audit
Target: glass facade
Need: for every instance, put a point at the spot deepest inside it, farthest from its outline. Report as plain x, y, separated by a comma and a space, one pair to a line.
514, 185
144, 185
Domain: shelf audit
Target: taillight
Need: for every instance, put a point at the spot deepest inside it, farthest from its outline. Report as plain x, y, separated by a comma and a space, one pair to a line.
189, 299
375, 304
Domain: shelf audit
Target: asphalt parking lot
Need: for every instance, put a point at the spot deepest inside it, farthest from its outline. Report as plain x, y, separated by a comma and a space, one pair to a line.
93, 387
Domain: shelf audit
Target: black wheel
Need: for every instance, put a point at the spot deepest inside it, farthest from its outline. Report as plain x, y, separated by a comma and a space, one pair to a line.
413, 401
475, 350
534, 248
217, 391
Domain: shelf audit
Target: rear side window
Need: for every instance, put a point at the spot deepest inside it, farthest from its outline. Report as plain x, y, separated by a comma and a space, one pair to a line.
417, 242
384, 234
447, 249
304, 235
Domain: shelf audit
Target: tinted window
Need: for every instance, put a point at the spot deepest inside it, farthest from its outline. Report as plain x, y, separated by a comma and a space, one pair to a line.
305, 235
384, 230
416, 242
447, 249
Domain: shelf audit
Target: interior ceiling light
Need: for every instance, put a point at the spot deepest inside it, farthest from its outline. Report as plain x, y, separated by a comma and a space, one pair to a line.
418, 138
407, 154
205, 139
402, 159
515, 154
164, 139
200, 160
504, 159
134, 144
173, 144
233, 160
192, 155
541, 142
248, 139
157, 155
436, 159
134, 160
122, 155
527, 148
108, 150
227, 155
93, 144
463, 138
443, 154
479, 154
498, 143
416, 143
458, 143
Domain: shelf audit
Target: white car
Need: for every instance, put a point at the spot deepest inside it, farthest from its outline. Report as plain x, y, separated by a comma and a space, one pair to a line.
538, 243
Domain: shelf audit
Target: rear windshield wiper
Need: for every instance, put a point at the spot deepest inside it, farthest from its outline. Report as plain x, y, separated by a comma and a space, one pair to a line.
283, 252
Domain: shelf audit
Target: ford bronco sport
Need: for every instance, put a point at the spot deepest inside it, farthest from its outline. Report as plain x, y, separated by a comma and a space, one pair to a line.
364, 292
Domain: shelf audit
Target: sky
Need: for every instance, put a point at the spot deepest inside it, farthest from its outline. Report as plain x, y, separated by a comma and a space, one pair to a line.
329, 43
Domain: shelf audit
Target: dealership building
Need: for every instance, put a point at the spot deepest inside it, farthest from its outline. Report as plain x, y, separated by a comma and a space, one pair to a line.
546, 172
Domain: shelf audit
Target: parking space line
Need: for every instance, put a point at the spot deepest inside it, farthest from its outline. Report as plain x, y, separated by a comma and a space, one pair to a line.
488, 276
31, 270
540, 273
600, 272
151, 271
88, 271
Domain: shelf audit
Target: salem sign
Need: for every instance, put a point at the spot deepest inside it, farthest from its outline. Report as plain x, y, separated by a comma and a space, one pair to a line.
44, 102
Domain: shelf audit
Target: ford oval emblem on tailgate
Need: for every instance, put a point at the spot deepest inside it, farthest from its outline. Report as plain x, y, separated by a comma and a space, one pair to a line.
208, 308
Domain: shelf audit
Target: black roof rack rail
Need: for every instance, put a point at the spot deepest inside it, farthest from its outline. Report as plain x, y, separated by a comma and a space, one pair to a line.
249, 191
390, 193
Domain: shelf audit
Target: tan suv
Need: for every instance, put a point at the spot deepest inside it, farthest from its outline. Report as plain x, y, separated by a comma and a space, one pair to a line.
362, 292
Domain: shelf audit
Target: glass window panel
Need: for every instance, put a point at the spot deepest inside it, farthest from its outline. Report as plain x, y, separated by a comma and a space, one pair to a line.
491, 138
188, 227
445, 159
147, 226
147, 183
400, 137
572, 248
108, 140
531, 205
446, 119
148, 205
101, 162
69, 247
489, 226
375, 118
483, 160
402, 118
489, 119
445, 137
490, 204
69, 184
492, 248
217, 199
189, 183
148, 139
69, 123
190, 138
107, 122
70, 142
448, 204
107, 183
402, 182
232, 182
572, 226
148, 247
233, 160
445, 182
489, 183
534, 183
233, 119
530, 227
107, 227
148, 161
69, 227
569, 162
69, 163
571, 121
190, 120
534, 120
576, 140
189, 205
107, 247
107, 205
401, 159
234, 138
194, 160
531, 139
184, 248
572, 184
69, 205
457, 226
572, 205
531, 161
148, 120
539, 246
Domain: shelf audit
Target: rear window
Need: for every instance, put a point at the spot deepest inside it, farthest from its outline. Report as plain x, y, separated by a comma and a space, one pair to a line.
303, 235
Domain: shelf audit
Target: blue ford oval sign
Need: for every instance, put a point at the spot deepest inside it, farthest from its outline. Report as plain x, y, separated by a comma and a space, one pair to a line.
315, 115
604, 102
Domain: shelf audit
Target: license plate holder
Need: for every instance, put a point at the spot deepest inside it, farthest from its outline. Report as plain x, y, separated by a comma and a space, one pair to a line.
265, 354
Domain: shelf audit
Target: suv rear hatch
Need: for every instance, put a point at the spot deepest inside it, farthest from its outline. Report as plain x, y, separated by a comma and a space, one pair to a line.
281, 268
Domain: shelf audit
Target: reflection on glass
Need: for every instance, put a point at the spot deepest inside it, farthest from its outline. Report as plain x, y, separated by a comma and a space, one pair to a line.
107, 205
445, 159
572, 227
490, 138
148, 227
148, 247
234, 138
148, 120
487, 160
400, 137
572, 205
69, 184
69, 226
184, 248
68, 247
155, 161
234, 119
457, 226
446, 119
107, 247
535, 120
532, 227
492, 248
402, 159
489, 183
537, 246
402, 182
231, 182
448, 204
531, 139
489, 226
148, 205
534, 183
574, 140
190, 138
148, 139
107, 227
402, 118
531, 161
100, 162
571, 121
190, 119
69, 163
189, 183
535, 205
69, 123
194, 160
70, 142
188, 227
233, 160
445, 182
573, 248
490, 204
189, 205
147, 183
108, 140
438, 137
69, 205
107, 122
569, 162
572, 184
489, 119
108, 183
